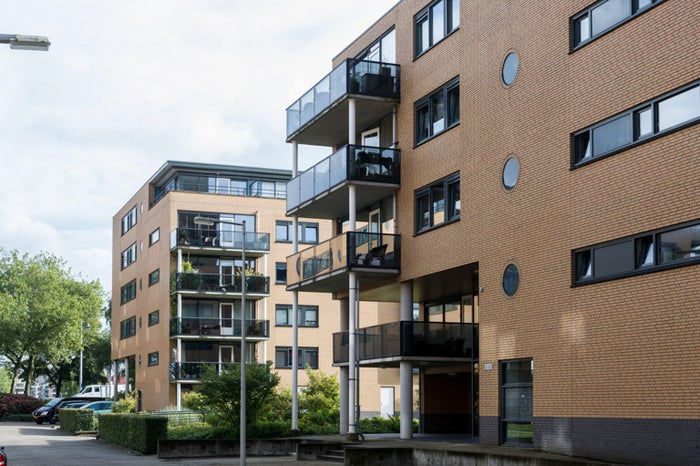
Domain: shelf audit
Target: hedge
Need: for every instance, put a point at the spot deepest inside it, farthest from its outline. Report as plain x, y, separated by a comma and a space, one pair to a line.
133, 431
78, 420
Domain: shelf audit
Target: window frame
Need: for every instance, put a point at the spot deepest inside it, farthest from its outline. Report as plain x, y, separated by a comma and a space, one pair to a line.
304, 351
154, 277
155, 233
303, 309
154, 318
129, 255
127, 328
153, 359
424, 197
506, 385
301, 227
583, 140
426, 108
126, 292
130, 219
574, 22
426, 16
278, 268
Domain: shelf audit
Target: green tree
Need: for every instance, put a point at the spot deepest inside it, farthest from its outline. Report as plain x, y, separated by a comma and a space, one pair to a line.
319, 404
44, 311
223, 392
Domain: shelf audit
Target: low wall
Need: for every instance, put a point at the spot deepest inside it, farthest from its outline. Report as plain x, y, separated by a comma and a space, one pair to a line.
212, 448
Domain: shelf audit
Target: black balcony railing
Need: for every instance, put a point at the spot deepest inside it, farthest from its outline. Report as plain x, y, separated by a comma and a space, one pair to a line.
187, 326
359, 77
349, 163
192, 370
214, 282
410, 339
352, 249
198, 237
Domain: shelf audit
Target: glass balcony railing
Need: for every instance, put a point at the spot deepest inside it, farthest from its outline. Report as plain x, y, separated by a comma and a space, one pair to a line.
350, 163
349, 250
188, 326
359, 77
410, 339
214, 282
198, 237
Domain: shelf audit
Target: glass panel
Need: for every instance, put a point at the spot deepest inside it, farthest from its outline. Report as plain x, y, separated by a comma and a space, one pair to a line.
389, 47
438, 198
423, 30
435, 313
608, 14
338, 82
613, 134
519, 432
455, 201
510, 68
644, 251
282, 316
584, 265
679, 108
582, 29
511, 279
582, 144
679, 244
511, 171
517, 371
455, 14
453, 105
517, 404
423, 127
643, 123
322, 176
438, 21
322, 96
422, 213
452, 312
640, 4
613, 259
437, 102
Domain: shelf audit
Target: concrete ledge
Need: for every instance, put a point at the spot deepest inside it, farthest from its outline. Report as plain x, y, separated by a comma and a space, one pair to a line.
213, 448
311, 450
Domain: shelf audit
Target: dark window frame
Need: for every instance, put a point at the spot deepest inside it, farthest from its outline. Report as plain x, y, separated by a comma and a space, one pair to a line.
129, 255
153, 318
130, 219
304, 352
425, 196
583, 142
575, 20
427, 106
153, 358
127, 328
426, 15
128, 292
301, 226
303, 309
506, 385
154, 277
278, 272
151, 242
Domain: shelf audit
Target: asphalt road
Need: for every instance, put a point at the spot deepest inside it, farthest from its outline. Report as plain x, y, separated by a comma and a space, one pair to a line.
29, 444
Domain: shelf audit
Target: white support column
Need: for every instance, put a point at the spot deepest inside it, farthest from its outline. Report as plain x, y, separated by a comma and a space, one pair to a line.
295, 306
344, 378
126, 376
352, 132
406, 369
352, 287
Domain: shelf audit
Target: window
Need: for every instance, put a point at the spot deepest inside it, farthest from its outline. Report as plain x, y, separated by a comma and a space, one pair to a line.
382, 50
432, 200
154, 237
510, 68
657, 250
437, 112
604, 16
511, 279
516, 401
306, 357
153, 359
281, 273
307, 316
511, 171
434, 23
661, 115
154, 277
308, 232
127, 327
129, 256
128, 291
153, 318
129, 220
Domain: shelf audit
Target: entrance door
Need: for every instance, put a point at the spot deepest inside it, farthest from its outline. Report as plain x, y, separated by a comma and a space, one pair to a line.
226, 318
386, 396
375, 228
226, 273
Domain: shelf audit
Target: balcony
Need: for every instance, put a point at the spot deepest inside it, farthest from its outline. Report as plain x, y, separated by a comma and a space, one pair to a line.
215, 241
321, 191
192, 371
324, 267
214, 284
320, 116
425, 343
200, 328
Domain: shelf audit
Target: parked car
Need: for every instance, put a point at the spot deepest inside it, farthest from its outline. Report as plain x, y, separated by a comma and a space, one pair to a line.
67, 403
45, 413
100, 406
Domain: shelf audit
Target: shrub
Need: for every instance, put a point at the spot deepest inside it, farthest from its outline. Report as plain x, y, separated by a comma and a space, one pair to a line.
125, 405
133, 431
194, 431
78, 420
194, 401
11, 404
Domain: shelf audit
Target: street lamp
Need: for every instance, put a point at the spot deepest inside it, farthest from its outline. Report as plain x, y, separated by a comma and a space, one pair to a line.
210, 222
23, 42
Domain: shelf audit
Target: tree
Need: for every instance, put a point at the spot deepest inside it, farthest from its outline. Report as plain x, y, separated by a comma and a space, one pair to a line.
319, 404
44, 311
223, 392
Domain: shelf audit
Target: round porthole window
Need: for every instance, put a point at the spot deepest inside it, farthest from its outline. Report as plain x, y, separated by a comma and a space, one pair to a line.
510, 68
511, 279
511, 171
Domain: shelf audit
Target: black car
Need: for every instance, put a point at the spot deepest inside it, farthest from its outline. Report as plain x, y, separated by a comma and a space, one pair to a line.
47, 413
68, 403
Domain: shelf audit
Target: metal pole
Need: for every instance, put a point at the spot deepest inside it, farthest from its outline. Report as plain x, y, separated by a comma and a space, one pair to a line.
80, 382
243, 357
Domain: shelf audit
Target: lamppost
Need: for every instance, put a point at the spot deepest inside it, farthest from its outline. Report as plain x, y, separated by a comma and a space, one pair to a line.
23, 42
204, 221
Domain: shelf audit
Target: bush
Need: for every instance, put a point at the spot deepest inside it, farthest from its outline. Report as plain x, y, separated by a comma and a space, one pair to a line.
194, 401
381, 425
125, 405
194, 431
78, 420
269, 429
11, 404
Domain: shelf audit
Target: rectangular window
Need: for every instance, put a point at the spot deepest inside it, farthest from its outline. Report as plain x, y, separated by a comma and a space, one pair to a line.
128, 291
153, 359
307, 356
281, 273
154, 277
434, 23
307, 315
431, 202
153, 318
129, 256
653, 118
656, 250
437, 112
154, 237
516, 402
604, 16
308, 232
129, 220
127, 328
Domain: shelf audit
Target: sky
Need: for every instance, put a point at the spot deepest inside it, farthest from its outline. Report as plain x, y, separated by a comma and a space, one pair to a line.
127, 85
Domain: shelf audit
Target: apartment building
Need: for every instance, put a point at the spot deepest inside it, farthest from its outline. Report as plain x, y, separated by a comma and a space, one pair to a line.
176, 286
521, 178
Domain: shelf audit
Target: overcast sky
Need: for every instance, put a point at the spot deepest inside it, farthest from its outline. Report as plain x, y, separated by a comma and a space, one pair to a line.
129, 84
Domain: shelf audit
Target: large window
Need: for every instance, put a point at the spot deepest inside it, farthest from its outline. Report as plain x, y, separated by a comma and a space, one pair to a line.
382, 50
308, 316
307, 356
657, 250
434, 23
129, 220
128, 256
664, 114
128, 291
127, 327
437, 112
516, 401
604, 16
438, 203
308, 232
